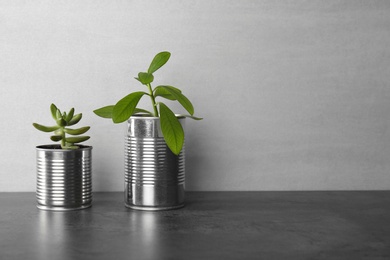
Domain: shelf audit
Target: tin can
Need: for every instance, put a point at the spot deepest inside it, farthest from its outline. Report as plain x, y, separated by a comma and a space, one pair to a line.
64, 179
154, 176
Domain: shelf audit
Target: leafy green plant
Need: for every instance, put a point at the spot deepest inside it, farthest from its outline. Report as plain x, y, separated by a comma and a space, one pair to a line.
170, 126
60, 130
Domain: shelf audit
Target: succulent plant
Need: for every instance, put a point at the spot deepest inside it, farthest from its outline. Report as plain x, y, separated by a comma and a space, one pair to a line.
170, 126
63, 120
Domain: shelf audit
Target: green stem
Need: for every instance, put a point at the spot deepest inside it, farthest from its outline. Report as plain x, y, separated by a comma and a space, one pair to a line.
153, 100
63, 139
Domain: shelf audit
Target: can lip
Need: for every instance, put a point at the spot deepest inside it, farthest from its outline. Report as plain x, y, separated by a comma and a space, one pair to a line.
57, 148
146, 116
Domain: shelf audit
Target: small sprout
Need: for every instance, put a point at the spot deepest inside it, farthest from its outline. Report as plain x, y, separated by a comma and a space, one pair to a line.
60, 130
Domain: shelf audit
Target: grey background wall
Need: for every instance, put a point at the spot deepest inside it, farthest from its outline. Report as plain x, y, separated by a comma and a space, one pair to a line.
295, 94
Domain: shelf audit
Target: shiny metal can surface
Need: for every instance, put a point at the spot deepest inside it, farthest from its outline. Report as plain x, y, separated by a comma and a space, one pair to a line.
64, 178
154, 176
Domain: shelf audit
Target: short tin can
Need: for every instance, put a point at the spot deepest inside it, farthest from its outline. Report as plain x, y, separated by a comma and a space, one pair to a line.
154, 176
64, 178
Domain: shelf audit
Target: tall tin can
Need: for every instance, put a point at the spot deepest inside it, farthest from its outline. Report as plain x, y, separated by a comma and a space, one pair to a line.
64, 178
154, 176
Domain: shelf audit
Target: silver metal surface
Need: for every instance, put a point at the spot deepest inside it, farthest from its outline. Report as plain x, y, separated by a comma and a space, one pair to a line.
64, 180
154, 176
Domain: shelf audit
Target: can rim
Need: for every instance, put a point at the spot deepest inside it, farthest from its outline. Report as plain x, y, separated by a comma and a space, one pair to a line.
146, 116
57, 148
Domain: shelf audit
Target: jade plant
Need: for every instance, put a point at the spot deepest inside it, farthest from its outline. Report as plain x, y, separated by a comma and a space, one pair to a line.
61, 129
171, 128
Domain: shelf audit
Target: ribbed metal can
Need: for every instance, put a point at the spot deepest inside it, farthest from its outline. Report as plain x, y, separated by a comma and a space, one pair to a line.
154, 176
64, 178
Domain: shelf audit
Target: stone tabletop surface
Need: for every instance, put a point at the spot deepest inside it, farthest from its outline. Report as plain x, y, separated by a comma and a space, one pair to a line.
213, 225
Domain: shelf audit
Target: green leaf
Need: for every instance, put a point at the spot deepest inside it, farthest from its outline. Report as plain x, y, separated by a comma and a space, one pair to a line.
70, 115
56, 138
45, 128
125, 107
162, 92
183, 100
53, 110
75, 119
58, 114
105, 112
77, 139
61, 122
158, 61
172, 129
142, 111
145, 78
78, 131
192, 117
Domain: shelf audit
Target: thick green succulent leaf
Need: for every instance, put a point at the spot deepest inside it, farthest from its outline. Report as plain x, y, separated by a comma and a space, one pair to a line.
192, 117
159, 91
45, 128
56, 138
125, 107
58, 114
172, 129
61, 122
183, 100
75, 119
145, 78
53, 110
77, 139
77, 131
105, 112
70, 115
158, 61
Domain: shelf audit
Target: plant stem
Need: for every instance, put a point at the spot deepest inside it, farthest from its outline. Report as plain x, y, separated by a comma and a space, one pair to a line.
63, 142
153, 100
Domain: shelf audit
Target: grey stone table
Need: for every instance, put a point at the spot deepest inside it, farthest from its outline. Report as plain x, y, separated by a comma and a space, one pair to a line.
213, 225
